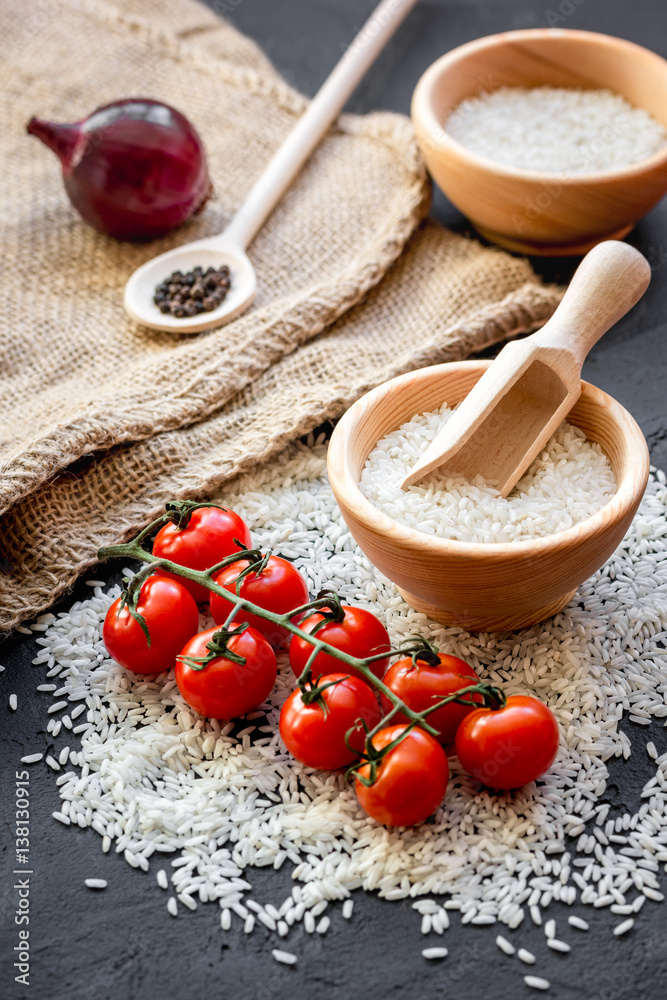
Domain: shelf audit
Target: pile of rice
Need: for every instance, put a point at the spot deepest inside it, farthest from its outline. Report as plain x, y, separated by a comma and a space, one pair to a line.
567, 483
556, 130
207, 801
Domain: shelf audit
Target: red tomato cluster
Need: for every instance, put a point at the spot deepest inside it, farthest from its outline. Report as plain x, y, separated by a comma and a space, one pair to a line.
242, 676
226, 672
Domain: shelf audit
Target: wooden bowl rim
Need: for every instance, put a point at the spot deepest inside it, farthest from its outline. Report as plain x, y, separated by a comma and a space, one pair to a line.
440, 140
629, 493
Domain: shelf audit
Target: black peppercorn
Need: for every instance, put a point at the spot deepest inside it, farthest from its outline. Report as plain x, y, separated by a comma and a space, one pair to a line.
192, 293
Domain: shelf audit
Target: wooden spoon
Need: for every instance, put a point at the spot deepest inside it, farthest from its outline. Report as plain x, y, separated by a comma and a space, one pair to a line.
521, 399
229, 247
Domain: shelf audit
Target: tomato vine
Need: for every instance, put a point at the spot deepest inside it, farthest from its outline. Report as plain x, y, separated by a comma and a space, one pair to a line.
328, 604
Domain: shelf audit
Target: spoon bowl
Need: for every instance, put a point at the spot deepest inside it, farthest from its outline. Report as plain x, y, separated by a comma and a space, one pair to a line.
139, 290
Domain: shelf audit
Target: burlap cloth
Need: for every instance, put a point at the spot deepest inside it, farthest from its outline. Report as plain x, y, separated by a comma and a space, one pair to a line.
102, 421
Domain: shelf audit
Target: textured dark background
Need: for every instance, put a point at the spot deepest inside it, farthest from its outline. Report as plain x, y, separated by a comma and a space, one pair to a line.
121, 944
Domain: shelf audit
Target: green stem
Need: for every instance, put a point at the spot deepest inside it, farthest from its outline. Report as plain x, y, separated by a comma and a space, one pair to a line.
134, 550
316, 605
149, 529
306, 673
179, 512
418, 648
229, 560
494, 699
232, 614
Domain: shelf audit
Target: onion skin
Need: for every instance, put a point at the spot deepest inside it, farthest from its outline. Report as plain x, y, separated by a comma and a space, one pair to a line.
134, 169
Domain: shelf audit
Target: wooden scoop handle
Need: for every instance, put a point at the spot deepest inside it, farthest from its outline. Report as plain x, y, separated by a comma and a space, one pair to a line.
607, 283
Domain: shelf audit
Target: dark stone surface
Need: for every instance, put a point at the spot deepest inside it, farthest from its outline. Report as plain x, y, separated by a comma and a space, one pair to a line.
121, 944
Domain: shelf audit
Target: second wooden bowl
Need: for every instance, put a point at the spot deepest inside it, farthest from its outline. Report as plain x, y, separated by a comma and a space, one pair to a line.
482, 587
542, 213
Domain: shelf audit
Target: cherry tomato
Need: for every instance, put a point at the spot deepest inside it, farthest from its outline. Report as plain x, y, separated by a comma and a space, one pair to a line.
206, 540
411, 780
420, 685
279, 587
224, 689
510, 746
359, 634
171, 616
316, 737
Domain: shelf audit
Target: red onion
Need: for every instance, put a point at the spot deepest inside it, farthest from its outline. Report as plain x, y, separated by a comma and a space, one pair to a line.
134, 169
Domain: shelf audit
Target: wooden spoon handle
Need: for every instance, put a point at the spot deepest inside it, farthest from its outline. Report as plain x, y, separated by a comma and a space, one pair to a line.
321, 112
607, 283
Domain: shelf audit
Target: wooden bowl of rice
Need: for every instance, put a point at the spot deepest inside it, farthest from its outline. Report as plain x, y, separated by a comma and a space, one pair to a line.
538, 211
483, 586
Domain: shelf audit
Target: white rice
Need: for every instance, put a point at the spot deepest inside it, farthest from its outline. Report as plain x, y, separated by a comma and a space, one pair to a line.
505, 945
150, 776
624, 927
567, 483
525, 956
432, 953
285, 957
13, 702
96, 883
536, 982
556, 130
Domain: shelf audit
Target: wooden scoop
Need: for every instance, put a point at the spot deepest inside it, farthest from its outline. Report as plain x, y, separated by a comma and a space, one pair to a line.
521, 399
